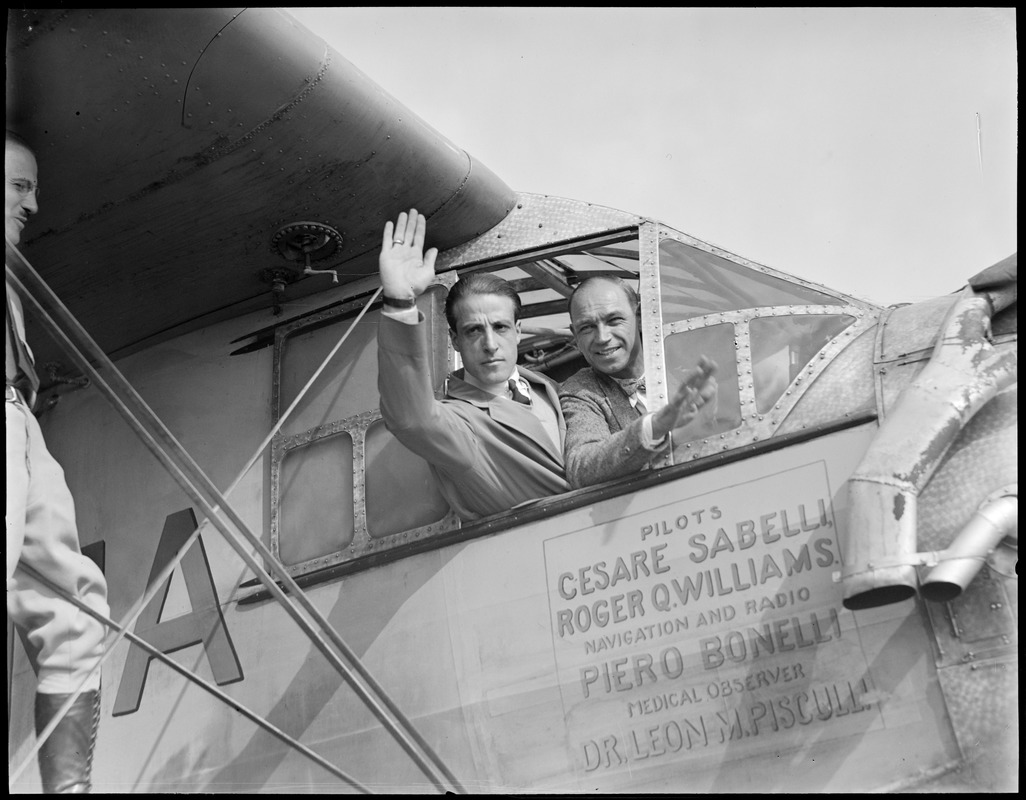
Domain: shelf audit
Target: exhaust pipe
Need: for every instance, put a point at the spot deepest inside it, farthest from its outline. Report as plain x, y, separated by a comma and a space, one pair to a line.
881, 544
996, 518
963, 374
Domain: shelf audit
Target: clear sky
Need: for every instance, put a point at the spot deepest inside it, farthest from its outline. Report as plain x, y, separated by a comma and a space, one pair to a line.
871, 150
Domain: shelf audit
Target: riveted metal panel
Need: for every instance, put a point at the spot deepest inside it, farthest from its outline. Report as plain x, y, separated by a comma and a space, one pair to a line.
912, 330
977, 625
892, 379
843, 389
537, 220
983, 617
984, 457
745, 382
652, 324
983, 704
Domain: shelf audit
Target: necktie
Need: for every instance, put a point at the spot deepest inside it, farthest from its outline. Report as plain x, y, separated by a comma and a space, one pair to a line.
517, 395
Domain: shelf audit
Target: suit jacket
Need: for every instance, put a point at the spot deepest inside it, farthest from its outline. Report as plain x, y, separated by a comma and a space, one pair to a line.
487, 453
603, 430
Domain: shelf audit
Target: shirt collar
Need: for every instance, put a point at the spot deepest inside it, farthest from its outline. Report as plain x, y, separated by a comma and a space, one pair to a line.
465, 390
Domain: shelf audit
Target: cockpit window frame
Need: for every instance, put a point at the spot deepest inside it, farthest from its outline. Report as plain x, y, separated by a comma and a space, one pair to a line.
356, 427
755, 428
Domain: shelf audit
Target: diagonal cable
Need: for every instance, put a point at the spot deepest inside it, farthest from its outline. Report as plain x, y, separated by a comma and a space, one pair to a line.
163, 576
194, 678
196, 484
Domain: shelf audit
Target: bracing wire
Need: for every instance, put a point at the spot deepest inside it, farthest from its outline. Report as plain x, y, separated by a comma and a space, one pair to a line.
194, 678
150, 430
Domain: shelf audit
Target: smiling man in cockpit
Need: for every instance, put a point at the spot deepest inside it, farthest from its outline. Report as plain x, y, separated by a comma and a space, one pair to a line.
610, 432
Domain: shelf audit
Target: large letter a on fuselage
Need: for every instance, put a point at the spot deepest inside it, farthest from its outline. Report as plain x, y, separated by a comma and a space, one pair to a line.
203, 625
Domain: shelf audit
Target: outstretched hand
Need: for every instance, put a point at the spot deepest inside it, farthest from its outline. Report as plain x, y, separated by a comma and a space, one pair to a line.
695, 397
406, 270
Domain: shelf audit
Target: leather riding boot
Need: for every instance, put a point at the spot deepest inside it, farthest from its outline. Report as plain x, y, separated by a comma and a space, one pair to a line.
66, 757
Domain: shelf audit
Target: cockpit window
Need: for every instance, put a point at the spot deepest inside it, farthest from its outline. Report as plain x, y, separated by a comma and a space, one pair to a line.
544, 281
763, 330
315, 491
782, 346
334, 465
334, 452
387, 464
682, 351
695, 283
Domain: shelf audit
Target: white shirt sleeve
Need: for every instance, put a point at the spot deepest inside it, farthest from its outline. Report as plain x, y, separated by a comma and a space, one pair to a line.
646, 428
646, 434
408, 316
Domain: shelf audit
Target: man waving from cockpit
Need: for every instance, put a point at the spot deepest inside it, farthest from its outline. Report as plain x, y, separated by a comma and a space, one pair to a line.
495, 439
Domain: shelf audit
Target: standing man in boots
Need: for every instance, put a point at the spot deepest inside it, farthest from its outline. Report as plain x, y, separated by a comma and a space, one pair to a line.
42, 533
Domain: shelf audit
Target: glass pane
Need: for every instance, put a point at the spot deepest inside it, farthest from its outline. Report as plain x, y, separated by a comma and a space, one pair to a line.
782, 346
315, 510
682, 353
619, 258
544, 283
401, 491
347, 386
695, 283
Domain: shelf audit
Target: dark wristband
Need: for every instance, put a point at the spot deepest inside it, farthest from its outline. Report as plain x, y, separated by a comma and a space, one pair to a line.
395, 302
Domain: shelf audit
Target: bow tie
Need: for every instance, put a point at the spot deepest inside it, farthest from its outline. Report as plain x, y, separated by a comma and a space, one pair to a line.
631, 386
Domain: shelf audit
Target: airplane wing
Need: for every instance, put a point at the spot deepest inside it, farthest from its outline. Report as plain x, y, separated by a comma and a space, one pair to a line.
178, 146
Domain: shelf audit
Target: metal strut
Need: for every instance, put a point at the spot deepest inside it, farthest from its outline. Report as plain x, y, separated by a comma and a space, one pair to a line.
162, 577
191, 676
159, 440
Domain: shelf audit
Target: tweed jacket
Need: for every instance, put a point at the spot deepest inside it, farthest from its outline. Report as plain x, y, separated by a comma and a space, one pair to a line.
487, 453
603, 430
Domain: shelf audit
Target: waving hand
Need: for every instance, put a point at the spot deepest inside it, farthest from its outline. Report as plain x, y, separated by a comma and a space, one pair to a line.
406, 270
